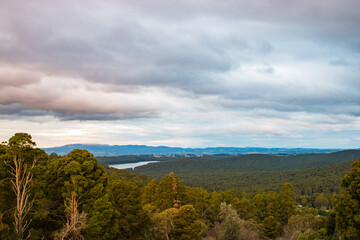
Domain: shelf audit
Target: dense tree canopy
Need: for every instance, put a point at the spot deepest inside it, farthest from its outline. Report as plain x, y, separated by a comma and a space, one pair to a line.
74, 197
133, 221
186, 225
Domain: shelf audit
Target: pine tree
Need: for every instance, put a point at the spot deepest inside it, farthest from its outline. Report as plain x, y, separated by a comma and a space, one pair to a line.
287, 199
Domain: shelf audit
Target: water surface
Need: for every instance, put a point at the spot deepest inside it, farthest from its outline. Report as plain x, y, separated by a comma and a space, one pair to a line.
130, 165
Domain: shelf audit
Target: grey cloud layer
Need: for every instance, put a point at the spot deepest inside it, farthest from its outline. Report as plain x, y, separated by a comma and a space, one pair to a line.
125, 59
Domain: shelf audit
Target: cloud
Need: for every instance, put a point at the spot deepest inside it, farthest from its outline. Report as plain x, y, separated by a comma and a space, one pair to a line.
188, 62
70, 99
10, 77
339, 62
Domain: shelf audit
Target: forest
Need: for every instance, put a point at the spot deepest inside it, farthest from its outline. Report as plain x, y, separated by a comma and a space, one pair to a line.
74, 197
309, 173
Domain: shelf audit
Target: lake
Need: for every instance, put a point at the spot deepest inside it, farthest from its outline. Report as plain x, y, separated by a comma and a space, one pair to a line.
130, 165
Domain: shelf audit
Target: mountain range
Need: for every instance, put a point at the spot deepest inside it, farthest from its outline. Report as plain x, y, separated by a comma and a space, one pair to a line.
120, 150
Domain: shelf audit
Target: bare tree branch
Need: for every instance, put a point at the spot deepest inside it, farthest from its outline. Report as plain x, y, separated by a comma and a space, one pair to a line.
74, 224
21, 183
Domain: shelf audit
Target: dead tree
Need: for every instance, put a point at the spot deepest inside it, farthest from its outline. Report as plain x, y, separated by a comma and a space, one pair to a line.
21, 182
74, 224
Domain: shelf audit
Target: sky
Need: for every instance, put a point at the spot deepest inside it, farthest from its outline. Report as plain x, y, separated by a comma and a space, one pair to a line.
265, 73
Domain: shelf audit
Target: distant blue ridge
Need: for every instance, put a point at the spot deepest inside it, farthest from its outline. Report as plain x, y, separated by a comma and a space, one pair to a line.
120, 150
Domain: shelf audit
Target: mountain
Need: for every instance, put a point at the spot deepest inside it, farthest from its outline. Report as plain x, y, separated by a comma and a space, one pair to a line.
119, 150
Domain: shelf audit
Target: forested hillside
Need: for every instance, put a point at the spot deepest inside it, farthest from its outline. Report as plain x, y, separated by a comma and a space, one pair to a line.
74, 197
305, 181
309, 173
250, 162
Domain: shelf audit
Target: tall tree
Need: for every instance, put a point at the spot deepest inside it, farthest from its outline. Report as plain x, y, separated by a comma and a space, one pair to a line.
170, 192
262, 205
163, 223
287, 199
186, 225
148, 193
347, 204
230, 223
133, 220
78, 172
21, 170
7, 200
272, 227
199, 198
243, 207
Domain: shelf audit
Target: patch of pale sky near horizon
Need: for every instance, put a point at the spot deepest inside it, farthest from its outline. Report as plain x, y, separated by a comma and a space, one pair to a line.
189, 133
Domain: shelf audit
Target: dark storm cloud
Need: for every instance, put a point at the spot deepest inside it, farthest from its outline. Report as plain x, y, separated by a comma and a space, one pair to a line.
188, 49
16, 110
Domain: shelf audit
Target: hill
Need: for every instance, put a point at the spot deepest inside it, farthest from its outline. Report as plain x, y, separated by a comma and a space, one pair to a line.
249, 162
308, 173
120, 150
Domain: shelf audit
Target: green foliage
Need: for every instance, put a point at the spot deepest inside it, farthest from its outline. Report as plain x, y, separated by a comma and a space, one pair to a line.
169, 191
233, 173
4, 228
7, 200
319, 235
287, 200
21, 140
163, 223
79, 173
322, 201
263, 205
199, 198
252, 230
243, 207
304, 226
148, 195
133, 221
351, 180
347, 204
248, 163
272, 227
20, 150
230, 223
53, 155
21, 146
121, 174
186, 225
124, 205
330, 224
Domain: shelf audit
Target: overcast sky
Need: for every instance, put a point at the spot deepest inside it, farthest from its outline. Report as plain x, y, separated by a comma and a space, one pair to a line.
267, 73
